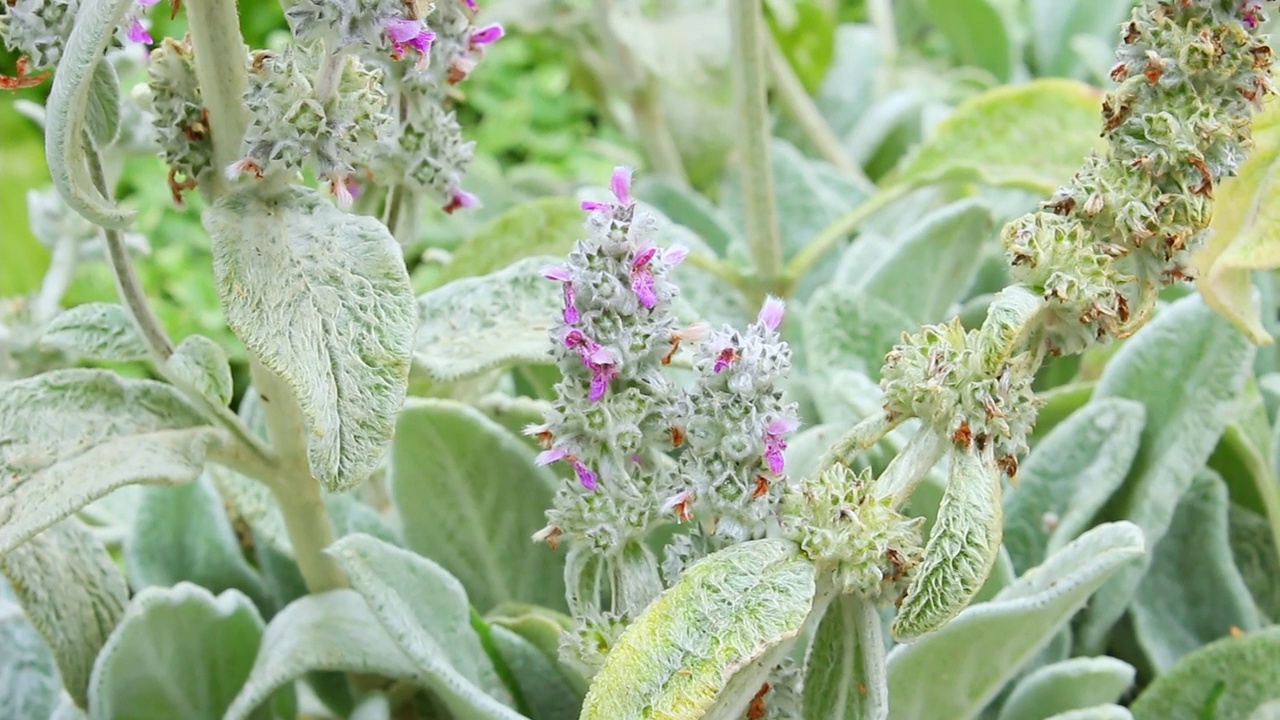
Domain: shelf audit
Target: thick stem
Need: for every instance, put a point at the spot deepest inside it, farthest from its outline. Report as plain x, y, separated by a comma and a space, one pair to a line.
801, 108
297, 492
642, 96
865, 622
746, 19
221, 69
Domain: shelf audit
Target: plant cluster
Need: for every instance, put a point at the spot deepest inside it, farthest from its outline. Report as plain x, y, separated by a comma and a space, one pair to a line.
674, 451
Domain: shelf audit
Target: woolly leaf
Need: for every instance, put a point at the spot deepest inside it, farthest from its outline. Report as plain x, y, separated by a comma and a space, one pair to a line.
96, 331
474, 325
1005, 632
70, 437
322, 299
731, 610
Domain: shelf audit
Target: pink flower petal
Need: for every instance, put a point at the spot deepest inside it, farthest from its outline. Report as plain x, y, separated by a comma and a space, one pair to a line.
555, 272
593, 206
782, 425
546, 457
642, 283
675, 255
472, 4
570, 305
487, 34
461, 199
138, 34
620, 183
643, 256
771, 312
586, 476
726, 356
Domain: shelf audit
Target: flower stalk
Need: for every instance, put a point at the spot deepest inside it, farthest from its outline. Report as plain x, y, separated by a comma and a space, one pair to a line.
746, 20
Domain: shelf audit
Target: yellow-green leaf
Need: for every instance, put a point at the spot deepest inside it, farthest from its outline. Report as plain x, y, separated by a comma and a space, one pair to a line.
725, 614
1244, 234
1032, 136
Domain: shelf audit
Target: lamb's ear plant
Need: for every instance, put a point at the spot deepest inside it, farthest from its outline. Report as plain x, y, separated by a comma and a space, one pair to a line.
678, 465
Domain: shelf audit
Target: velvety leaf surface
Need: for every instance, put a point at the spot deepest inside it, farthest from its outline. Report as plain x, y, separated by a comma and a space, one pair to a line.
334, 631
177, 652
70, 437
1005, 632
1228, 678
183, 533
1001, 137
546, 226
29, 683
1242, 233
1186, 367
202, 364
962, 548
925, 269
1069, 476
72, 593
425, 610
98, 331
469, 496
542, 686
474, 325
322, 299
1075, 684
845, 676
728, 610
1192, 593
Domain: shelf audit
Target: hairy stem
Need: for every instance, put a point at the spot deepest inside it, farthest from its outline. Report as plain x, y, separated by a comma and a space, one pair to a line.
128, 285
801, 108
221, 70
297, 492
641, 94
746, 19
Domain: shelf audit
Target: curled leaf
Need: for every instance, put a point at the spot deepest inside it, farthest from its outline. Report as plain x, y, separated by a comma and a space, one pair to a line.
961, 550
728, 611
77, 87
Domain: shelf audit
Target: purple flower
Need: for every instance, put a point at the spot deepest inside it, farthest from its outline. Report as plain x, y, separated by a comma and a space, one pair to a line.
487, 35
1249, 12
592, 206
405, 34
555, 272
724, 359
774, 444
138, 34
472, 4
546, 457
586, 475
675, 255
461, 199
642, 276
597, 358
771, 312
